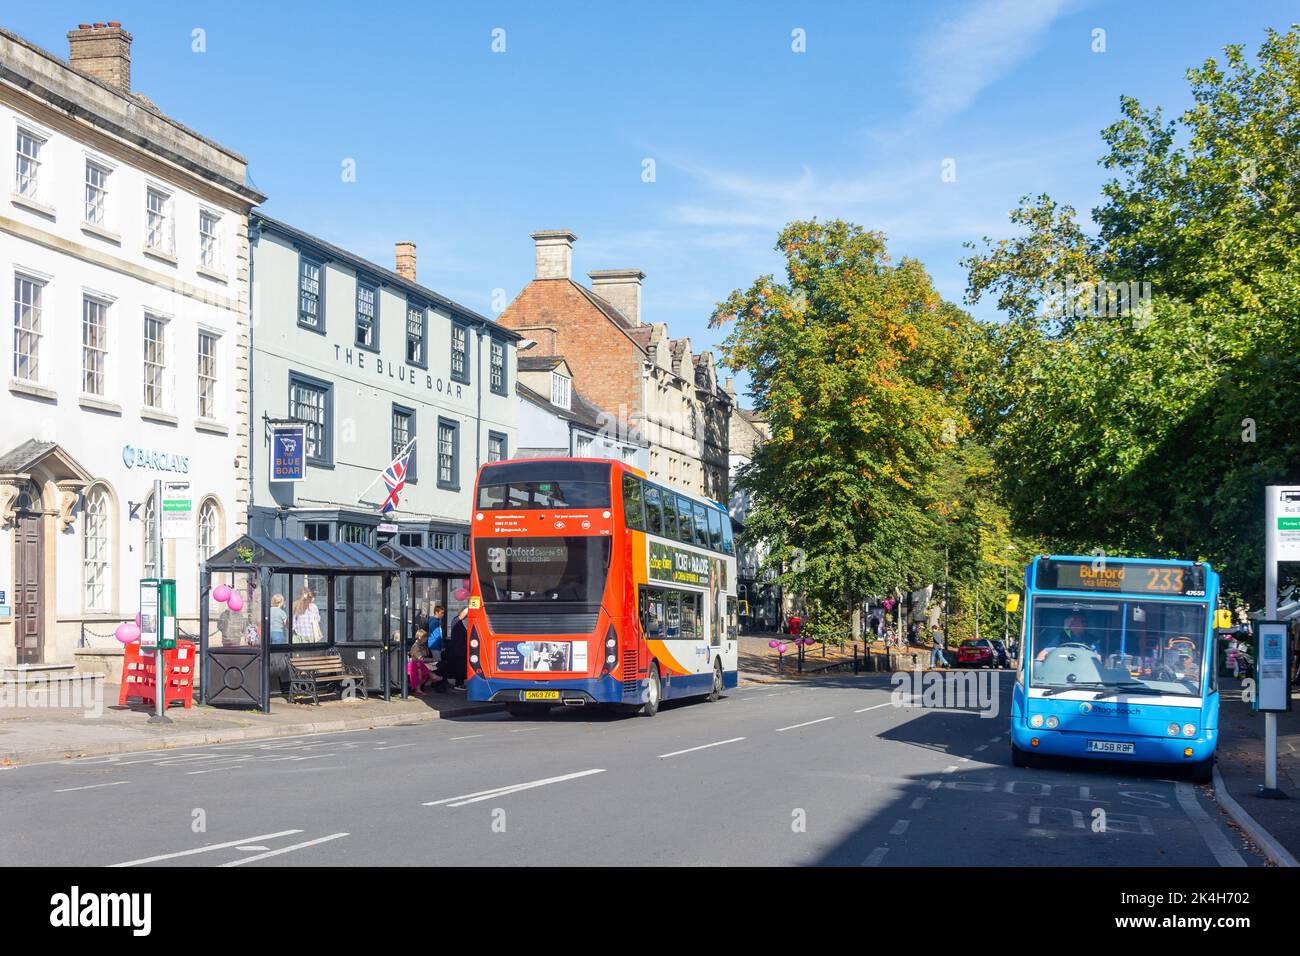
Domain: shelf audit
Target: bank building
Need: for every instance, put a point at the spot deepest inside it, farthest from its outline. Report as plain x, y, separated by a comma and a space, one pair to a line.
123, 246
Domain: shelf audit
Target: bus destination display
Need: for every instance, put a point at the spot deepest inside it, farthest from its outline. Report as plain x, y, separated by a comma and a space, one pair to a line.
1121, 578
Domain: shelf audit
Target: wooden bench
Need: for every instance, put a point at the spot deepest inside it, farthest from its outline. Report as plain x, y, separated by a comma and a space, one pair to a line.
308, 673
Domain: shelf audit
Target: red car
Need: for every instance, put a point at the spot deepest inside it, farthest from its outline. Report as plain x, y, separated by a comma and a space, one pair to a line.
976, 654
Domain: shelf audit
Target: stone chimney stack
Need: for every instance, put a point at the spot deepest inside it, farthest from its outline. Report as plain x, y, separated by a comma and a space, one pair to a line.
730, 387
621, 288
103, 51
406, 260
554, 253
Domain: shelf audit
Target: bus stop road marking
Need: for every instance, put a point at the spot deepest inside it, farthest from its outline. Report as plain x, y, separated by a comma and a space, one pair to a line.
191, 773
1218, 844
206, 849
465, 798
466, 737
93, 786
690, 750
286, 849
875, 856
393, 746
806, 723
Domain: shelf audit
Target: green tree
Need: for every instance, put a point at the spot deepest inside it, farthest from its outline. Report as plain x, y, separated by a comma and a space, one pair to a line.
851, 359
1155, 432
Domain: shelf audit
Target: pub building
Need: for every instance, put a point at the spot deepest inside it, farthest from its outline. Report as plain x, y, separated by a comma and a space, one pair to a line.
365, 360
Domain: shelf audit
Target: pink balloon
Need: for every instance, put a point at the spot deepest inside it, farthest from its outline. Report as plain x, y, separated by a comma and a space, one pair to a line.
127, 632
781, 648
236, 603
221, 593
772, 644
461, 594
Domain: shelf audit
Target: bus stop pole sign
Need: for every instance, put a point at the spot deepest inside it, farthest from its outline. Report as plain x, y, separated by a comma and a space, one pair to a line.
1281, 543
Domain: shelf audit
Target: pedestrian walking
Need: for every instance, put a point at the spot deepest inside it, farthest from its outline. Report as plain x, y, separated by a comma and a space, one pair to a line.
937, 658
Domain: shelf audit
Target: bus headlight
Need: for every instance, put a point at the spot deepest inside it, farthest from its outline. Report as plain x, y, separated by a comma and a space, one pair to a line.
610, 643
1189, 730
1173, 730
610, 660
474, 644
1053, 722
473, 658
1036, 720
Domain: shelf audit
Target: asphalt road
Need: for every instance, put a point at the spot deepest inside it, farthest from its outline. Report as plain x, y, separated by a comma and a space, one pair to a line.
828, 773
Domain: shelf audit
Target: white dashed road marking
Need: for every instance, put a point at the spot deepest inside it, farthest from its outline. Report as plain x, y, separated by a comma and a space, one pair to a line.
207, 849
287, 849
689, 750
806, 723
93, 786
465, 798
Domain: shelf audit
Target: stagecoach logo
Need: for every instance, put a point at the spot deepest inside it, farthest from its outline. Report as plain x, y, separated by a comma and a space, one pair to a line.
1085, 708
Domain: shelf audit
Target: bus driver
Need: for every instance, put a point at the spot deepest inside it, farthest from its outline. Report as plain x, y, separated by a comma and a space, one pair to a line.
1074, 632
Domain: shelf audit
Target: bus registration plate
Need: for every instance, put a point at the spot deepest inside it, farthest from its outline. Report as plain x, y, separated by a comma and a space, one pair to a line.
541, 695
1110, 747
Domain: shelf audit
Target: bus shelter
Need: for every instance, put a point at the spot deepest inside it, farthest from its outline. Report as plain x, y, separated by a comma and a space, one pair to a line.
428, 576
263, 600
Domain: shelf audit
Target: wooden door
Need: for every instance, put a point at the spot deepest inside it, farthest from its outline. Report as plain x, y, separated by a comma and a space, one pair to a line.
29, 610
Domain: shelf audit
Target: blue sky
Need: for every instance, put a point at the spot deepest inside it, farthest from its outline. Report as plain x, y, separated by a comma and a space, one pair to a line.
466, 151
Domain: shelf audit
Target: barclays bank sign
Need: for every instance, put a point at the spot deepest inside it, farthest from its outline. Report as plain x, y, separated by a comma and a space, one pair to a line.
134, 457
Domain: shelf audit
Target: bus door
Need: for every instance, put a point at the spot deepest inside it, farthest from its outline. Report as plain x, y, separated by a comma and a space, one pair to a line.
652, 624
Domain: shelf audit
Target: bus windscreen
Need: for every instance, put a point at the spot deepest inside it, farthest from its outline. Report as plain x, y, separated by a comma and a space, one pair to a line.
542, 570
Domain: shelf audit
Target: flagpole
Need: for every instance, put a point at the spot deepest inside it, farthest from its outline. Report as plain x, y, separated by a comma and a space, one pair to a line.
396, 458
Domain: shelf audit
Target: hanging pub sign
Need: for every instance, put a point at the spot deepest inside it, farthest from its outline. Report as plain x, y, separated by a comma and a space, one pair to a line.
288, 452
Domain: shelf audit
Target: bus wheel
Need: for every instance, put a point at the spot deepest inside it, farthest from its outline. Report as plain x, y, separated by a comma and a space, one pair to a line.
1020, 758
716, 692
652, 691
1203, 771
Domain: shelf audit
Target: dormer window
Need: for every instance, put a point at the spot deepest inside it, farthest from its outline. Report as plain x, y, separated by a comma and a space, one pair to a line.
561, 390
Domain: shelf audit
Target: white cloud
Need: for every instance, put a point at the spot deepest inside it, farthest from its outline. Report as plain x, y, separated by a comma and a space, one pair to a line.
968, 51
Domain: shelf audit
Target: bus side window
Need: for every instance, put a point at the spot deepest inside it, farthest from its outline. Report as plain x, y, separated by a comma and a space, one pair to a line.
685, 521
670, 513
701, 525
632, 502
690, 615
653, 512
715, 529
727, 544
672, 614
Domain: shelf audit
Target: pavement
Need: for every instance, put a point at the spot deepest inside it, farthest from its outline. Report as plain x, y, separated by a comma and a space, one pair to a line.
825, 771
35, 734
1241, 774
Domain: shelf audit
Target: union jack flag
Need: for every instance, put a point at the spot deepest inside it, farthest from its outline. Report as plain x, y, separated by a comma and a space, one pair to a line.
395, 478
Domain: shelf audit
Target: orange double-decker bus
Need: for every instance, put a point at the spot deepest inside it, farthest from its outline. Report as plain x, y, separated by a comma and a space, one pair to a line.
594, 585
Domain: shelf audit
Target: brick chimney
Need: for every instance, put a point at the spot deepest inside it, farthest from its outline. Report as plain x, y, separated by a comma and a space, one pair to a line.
103, 51
621, 288
406, 260
554, 253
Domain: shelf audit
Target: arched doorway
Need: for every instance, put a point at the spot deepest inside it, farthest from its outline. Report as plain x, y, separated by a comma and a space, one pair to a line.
29, 597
